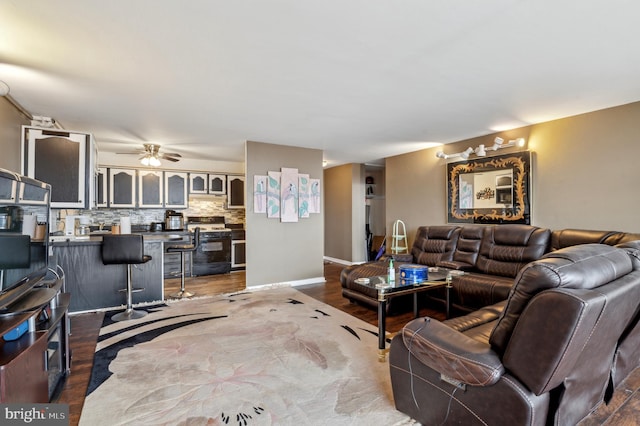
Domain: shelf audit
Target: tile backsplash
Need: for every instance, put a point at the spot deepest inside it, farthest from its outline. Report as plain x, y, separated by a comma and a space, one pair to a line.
209, 206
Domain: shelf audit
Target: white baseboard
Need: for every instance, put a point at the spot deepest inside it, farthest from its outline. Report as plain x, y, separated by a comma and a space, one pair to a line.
287, 284
341, 261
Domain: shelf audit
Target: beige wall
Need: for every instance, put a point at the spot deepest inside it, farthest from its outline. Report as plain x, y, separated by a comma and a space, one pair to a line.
583, 174
345, 238
282, 252
11, 121
338, 207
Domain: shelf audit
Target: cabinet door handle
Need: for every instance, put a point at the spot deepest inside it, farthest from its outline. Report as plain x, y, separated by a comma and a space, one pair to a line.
46, 360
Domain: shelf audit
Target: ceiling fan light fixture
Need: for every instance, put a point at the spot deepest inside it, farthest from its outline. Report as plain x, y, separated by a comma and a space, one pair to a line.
154, 162
145, 160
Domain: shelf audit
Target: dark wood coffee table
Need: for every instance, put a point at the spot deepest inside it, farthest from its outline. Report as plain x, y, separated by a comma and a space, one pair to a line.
437, 278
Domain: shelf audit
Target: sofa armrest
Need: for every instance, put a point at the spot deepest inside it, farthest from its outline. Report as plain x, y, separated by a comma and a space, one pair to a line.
452, 264
451, 353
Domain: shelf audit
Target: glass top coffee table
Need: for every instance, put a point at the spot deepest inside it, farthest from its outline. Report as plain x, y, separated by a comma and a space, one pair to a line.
436, 278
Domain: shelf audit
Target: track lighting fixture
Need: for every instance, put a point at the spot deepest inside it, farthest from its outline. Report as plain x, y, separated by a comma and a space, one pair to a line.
481, 150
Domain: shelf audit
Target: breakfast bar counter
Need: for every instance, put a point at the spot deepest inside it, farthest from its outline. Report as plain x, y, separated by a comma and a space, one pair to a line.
94, 285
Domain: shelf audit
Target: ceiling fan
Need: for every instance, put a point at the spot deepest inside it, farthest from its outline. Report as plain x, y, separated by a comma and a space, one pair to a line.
151, 155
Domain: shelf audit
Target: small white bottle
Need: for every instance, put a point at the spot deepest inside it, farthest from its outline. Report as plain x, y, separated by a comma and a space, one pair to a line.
391, 273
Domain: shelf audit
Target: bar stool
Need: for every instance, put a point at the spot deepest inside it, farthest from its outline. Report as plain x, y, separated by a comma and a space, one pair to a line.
125, 249
182, 249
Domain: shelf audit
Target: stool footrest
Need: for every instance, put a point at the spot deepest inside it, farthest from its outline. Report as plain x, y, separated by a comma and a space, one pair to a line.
134, 290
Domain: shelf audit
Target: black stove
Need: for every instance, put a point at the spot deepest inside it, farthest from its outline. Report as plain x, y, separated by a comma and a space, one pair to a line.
207, 223
213, 255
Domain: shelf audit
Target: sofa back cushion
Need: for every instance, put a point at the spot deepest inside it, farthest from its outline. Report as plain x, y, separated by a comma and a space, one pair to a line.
468, 246
562, 321
505, 249
621, 237
628, 351
434, 244
562, 238
583, 266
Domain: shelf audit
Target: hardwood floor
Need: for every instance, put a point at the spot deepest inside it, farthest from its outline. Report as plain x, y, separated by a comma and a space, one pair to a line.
624, 410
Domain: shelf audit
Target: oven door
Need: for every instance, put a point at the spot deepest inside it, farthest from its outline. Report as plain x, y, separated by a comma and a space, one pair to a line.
213, 255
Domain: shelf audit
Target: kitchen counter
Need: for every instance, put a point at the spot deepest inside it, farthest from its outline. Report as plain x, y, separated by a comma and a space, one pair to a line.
96, 238
94, 285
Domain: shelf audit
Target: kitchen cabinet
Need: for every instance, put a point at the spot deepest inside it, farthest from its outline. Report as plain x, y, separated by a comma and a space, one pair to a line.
32, 366
97, 286
173, 265
198, 183
235, 192
63, 159
175, 189
217, 184
150, 184
238, 254
32, 194
102, 196
8, 189
238, 249
122, 188
23, 375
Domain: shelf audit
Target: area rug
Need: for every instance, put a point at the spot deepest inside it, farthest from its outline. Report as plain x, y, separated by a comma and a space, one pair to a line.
270, 357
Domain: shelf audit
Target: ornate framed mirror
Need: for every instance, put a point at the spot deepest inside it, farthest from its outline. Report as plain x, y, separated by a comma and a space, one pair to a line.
490, 190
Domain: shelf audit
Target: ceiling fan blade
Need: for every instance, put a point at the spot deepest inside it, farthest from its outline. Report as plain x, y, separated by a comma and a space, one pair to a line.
169, 158
172, 154
132, 153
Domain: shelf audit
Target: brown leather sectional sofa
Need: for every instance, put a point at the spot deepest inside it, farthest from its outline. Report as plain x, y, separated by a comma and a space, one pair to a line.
551, 353
492, 256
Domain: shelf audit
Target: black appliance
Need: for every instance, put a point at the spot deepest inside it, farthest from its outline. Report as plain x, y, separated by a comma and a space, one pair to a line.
213, 255
24, 259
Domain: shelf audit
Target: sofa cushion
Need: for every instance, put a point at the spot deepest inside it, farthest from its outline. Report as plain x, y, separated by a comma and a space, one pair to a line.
473, 291
579, 267
466, 252
570, 237
621, 237
505, 249
434, 244
488, 314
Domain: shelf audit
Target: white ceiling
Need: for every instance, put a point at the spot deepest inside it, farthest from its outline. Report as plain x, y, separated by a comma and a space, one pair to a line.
359, 79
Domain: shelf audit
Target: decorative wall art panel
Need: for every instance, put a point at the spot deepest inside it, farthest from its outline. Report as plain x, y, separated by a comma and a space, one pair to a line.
273, 195
260, 194
314, 197
286, 195
289, 195
303, 195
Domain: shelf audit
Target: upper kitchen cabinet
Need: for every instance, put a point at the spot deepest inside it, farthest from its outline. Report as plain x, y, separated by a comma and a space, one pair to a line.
102, 196
8, 187
175, 189
198, 183
150, 184
122, 188
63, 159
217, 184
235, 192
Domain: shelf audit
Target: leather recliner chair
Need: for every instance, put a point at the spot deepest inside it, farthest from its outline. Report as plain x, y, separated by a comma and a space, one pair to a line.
547, 358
